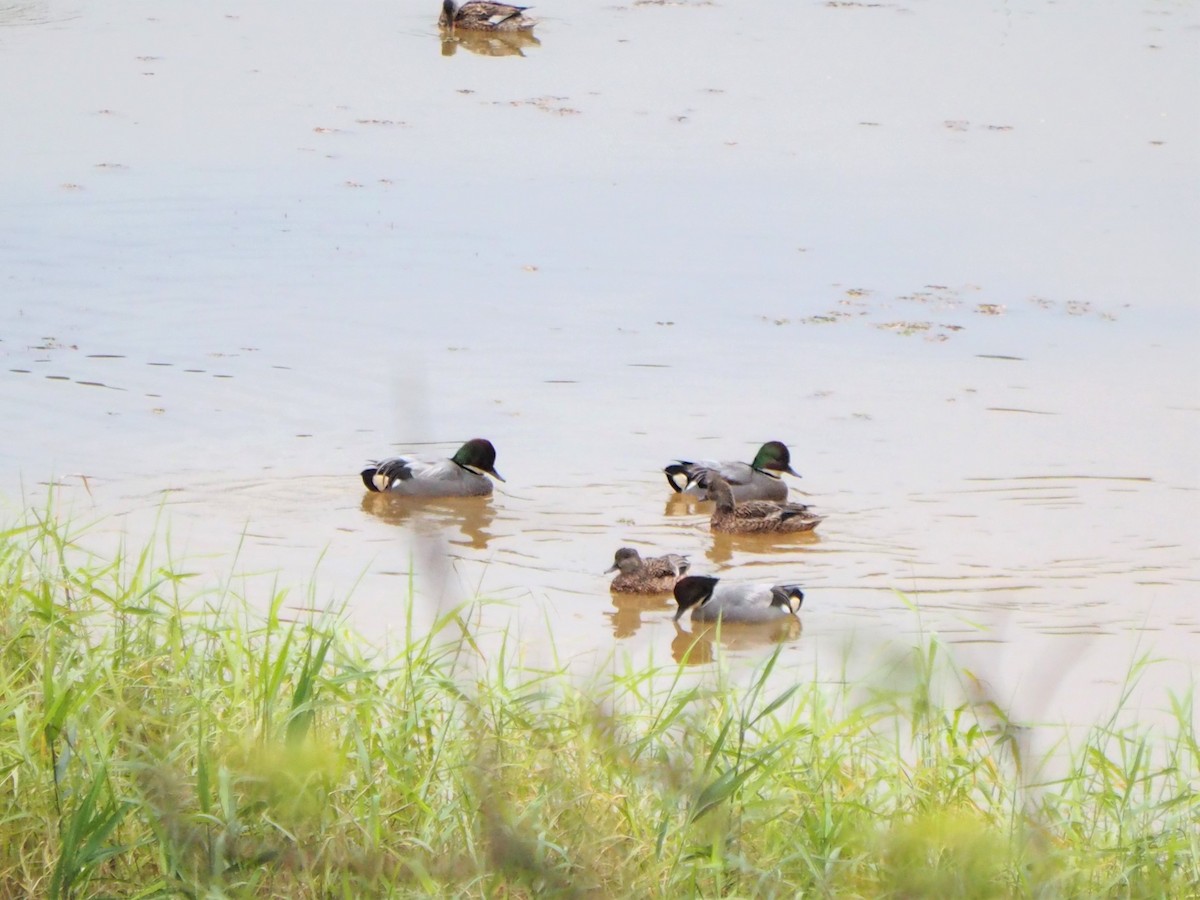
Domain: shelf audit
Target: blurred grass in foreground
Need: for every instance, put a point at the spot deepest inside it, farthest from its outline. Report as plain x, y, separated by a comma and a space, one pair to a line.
164, 739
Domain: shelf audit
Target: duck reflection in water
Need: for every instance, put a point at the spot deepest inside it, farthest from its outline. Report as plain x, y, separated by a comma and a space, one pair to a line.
485, 43
685, 504
724, 546
698, 646
471, 515
626, 618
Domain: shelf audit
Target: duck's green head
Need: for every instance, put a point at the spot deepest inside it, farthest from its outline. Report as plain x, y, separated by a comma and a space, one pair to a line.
694, 590
479, 456
773, 458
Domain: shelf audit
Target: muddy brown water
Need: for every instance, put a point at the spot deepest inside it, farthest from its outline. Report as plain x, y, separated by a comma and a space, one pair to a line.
946, 254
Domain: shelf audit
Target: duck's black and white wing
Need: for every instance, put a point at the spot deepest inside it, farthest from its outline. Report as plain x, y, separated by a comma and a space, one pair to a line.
387, 474
380, 475
693, 476
738, 474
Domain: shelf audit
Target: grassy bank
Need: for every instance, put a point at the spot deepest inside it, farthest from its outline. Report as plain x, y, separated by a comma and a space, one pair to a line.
157, 738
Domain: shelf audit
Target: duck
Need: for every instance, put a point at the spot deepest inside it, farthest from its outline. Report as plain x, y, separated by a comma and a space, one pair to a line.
459, 476
481, 15
712, 599
653, 575
755, 516
757, 480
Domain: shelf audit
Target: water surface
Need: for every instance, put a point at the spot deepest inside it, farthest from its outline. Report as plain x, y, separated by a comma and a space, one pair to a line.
945, 252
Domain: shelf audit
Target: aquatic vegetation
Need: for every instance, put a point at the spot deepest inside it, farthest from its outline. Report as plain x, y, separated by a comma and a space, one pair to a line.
161, 737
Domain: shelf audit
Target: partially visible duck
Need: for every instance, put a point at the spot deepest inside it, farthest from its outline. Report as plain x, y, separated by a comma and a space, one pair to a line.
711, 599
480, 15
459, 476
755, 516
757, 480
653, 575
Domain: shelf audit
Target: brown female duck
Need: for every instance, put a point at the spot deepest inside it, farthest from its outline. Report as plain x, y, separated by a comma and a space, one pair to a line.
481, 15
655, 575
756, 516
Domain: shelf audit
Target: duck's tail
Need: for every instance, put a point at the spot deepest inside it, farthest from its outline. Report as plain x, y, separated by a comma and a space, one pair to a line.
380, 476
793, 511
789, 596
678, 475
368, 477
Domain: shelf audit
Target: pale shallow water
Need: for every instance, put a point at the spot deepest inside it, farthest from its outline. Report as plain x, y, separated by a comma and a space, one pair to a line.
947, 254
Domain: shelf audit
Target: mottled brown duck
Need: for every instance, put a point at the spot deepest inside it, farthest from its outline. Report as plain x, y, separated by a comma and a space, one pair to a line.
480, 15
653, 575
756, 516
